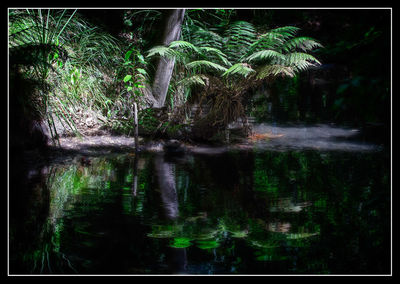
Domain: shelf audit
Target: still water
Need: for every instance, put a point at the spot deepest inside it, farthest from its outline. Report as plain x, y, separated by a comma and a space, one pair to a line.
233, 212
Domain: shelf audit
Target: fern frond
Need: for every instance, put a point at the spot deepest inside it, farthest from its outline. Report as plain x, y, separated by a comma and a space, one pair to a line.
294, 57
266, 41
273, 39
243, 30
242, 69
302, 65
181, 44
240, 35
205, 64
286, 32
162, 51
197, 79
275, 70
215, 52
203, 37
264, 54
303, 43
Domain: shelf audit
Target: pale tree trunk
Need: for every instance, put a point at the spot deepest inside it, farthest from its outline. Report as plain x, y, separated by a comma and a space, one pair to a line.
166, 66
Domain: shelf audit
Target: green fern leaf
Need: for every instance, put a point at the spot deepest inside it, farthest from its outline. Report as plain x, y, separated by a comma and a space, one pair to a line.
215, 53
193, 80
275, 70
242, 69
205, 64
183, 45
293, 58
303, 43
240, 36
264, 54
203, 37
286, 32
162, 51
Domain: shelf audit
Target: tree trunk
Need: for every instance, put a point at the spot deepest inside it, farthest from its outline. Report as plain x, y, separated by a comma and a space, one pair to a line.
166, 66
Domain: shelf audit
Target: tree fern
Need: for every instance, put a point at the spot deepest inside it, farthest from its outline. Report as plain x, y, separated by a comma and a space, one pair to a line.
222, 62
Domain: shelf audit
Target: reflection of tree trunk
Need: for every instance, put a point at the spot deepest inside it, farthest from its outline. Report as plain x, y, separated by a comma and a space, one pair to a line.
178, 262
166, 180
135, 173
166, 66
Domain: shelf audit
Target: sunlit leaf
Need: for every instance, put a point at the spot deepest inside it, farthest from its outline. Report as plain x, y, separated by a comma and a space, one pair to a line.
127, 78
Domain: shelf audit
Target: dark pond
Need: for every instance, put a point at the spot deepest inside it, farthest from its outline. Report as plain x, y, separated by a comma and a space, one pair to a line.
235, 212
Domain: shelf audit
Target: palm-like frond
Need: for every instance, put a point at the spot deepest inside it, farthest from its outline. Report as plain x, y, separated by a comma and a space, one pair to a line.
242, 69
196, 79
268, 71
203, 37
294, 57
303, 43
205, 64
183, 45
273, 38
264, 54
240, 36
215, 54
266, 41
285, 32
163, 51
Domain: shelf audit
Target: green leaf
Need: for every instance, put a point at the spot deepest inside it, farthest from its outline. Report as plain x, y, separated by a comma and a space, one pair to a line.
183, 45
239, 68
128, 55
303, 43
264, 54
162, 51
141, 59
207, 64
140, 70
127, 78
193, 80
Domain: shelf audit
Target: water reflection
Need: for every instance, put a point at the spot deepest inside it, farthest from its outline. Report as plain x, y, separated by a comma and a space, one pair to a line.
165, 171
233, 212
166, 180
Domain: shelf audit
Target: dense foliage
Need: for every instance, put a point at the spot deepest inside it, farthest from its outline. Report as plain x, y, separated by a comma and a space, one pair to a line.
73, 73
